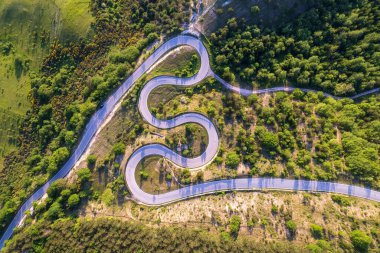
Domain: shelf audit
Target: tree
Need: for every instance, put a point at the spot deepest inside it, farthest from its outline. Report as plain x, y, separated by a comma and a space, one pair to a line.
360, 240
70, 138
232, 160
55, 211
149, 28
61, 155
84, 175
200, 176
185, 176
118, 148
65, 194
108, 197
235, 222
268, 139
73, 201
55, 188
220, 60
91, 160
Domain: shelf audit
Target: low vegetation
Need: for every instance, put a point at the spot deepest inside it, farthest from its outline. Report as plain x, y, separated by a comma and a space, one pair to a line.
299, 135
84, 235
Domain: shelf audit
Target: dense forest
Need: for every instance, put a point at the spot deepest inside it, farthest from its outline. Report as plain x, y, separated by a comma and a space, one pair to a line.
333, 47
73, 82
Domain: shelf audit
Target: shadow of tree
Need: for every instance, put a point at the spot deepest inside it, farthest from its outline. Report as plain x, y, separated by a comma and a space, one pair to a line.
19, 67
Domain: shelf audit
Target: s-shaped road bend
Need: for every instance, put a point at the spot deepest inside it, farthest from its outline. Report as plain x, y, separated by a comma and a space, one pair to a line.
192, 163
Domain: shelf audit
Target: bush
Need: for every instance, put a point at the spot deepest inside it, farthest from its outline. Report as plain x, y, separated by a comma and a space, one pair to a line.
218, 160
169, 177
235, 222
360, 240
129, 55
84, 175
55, 188
144, 175
340, 200
232, 160
291, 226
91, 160
107, 197
118, 148
320, 247
274, 209
55, 211
73, 201
316, 231
268, 139
185, 176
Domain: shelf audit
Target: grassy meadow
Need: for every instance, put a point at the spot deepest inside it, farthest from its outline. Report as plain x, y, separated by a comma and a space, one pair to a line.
27, 29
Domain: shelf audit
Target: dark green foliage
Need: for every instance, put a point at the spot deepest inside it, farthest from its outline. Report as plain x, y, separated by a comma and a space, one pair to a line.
235, 222
185, 176
360, 240
291, 226
84, 175
332, 47
316, 231
268, 139
118, 148
341, 200
232, 160
55, 211
55, 188
91, 160
73, 201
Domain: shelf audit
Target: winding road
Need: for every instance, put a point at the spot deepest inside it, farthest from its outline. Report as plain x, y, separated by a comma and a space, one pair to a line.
100, 117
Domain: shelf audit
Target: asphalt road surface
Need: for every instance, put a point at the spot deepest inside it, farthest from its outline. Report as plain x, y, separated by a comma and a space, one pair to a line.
156, 149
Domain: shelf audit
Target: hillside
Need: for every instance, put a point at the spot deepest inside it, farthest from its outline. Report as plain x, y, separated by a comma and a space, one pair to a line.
74, 78
66, 64
28, 29
331, 47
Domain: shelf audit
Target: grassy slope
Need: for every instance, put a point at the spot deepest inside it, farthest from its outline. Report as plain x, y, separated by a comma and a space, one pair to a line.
23, 22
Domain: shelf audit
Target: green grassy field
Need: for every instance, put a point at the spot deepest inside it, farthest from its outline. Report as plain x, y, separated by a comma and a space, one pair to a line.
27, 28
